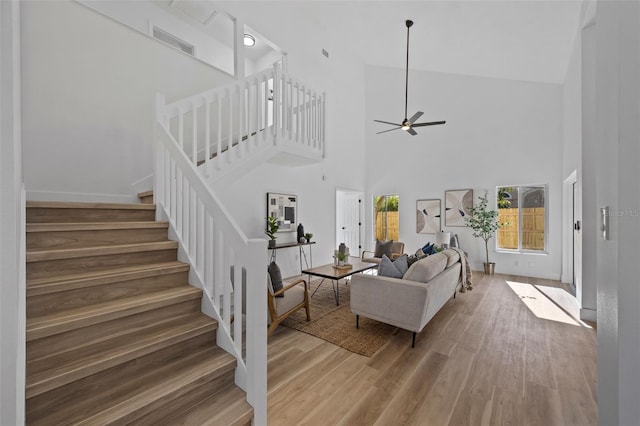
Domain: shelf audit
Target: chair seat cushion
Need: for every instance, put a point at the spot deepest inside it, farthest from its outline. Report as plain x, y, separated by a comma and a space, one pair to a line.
292, 297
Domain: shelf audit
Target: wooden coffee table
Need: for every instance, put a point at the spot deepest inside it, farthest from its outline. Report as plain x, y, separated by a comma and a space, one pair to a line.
330, 272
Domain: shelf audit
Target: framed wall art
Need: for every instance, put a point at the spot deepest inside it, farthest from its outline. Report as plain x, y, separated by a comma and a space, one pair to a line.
428, 218
457, 206
283, 207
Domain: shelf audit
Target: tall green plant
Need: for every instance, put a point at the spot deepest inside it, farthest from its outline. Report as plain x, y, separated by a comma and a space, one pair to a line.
484, 222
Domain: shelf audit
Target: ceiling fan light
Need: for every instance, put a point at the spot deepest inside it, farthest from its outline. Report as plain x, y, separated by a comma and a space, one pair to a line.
405, 127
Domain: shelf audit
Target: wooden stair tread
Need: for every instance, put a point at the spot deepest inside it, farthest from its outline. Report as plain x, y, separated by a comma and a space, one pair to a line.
92, 226
145, 194
53, 371
55, 254
228, 407
56, 283
77, 318
127, 399
77, 205
164, 386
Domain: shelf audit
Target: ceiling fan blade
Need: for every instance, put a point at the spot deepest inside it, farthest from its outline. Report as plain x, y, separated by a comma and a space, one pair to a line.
415, 116
387, 122
385, 131
411, 131
432, 123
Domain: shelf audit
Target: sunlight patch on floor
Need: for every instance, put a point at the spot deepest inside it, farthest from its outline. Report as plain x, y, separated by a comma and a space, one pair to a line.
541, 305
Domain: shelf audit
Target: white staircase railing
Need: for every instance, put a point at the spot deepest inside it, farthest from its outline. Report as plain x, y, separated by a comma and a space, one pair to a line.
224, 263
215, 131
221, 127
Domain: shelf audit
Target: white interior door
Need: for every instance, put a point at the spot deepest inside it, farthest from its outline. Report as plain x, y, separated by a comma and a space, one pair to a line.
348, 220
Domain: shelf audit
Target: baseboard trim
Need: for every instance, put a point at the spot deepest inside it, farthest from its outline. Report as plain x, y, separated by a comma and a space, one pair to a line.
587, 314
527, 273
80, 197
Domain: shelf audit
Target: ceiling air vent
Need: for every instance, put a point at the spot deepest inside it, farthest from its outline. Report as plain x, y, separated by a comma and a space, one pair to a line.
174, 41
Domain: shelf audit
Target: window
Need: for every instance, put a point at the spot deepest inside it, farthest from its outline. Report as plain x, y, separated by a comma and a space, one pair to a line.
522, 213
386, 217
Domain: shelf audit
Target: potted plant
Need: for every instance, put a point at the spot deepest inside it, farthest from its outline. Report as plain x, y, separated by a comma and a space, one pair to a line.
341, 258
308, 236
484, 223
272, 228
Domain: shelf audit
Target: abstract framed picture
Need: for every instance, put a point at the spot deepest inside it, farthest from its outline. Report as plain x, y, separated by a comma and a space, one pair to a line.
428, 220
284, 207
457, 206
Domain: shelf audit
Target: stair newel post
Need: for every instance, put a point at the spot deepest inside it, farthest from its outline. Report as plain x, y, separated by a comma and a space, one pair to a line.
256, 315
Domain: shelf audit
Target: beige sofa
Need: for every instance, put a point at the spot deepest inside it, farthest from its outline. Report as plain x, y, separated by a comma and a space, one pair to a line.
409, 302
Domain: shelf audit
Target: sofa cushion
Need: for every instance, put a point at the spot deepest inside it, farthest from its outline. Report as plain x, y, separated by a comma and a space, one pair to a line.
276, 277
425, 269
452, 256
393, 269
383, 247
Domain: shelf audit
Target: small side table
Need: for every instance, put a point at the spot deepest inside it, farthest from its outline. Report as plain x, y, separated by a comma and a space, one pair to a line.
308, 262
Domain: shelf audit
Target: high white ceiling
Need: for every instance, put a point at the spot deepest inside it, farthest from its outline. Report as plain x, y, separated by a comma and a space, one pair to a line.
512, 39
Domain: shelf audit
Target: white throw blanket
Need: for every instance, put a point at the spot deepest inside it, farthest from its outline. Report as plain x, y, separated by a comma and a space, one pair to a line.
465, 271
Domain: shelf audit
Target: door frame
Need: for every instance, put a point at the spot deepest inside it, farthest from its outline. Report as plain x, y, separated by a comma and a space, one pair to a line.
360, 194
571, 210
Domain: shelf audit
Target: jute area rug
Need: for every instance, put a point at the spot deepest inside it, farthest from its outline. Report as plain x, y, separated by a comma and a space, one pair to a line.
337, 324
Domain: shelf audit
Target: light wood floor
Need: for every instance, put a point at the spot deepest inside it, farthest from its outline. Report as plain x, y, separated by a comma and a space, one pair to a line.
484, 359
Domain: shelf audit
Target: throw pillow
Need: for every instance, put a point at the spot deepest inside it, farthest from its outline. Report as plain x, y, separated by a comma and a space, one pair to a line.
276, 277
383, 247
412, 259
426, 249
402, 263
387, 268
420, 254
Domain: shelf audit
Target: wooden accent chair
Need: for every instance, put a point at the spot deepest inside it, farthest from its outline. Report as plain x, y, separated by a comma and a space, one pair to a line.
296, 296
397, 250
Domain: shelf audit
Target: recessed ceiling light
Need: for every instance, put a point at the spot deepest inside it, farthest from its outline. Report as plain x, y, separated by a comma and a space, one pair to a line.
249, 40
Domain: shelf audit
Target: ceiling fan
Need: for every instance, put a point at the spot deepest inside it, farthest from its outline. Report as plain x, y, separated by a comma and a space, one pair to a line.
408, 124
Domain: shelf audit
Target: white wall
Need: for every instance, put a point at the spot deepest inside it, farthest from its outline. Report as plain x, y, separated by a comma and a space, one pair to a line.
498, 132
618, 156
89, 86
12, 277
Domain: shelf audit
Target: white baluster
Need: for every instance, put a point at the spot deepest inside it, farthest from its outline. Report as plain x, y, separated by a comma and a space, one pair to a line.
230, 142
207, 134
219, 141
194, 139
